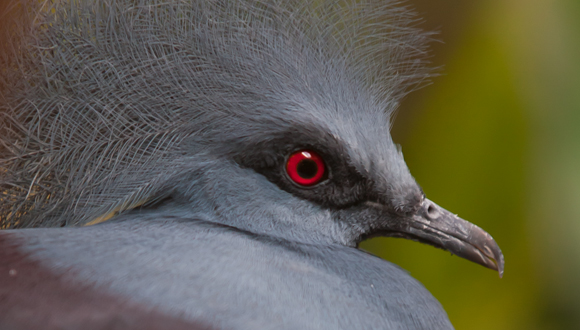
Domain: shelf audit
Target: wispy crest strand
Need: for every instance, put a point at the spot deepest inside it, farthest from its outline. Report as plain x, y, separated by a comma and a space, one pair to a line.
98, 96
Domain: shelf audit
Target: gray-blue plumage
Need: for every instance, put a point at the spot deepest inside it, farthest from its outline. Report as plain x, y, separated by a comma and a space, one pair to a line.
168, 127
232, 279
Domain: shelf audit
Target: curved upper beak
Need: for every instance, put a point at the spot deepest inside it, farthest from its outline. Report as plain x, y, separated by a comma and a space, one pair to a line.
433, 225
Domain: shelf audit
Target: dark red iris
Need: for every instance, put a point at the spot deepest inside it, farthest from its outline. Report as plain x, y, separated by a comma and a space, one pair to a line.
305, 168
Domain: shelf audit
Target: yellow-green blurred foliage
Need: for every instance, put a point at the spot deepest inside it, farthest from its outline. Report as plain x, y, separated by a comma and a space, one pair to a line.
496, 139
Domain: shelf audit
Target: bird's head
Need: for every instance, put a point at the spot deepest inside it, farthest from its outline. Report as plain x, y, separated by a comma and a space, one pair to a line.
321, 170
270, 117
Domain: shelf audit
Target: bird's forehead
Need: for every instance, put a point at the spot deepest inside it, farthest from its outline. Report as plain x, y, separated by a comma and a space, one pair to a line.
364, 135
362, 129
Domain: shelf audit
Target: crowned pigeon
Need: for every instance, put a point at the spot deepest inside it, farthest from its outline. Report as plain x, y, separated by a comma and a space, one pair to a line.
212, 165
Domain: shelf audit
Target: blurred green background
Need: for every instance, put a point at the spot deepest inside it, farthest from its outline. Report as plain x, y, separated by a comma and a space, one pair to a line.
496, 139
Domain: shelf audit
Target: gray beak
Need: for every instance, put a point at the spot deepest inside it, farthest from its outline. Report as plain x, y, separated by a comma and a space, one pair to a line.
433, 225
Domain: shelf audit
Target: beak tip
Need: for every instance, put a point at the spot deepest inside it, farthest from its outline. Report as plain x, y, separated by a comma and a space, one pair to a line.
500, 266
495, 261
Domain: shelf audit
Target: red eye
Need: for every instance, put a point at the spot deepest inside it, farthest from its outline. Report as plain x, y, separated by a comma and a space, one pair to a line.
305, 168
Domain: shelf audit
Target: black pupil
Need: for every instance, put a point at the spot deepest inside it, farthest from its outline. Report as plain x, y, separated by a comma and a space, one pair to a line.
307, 168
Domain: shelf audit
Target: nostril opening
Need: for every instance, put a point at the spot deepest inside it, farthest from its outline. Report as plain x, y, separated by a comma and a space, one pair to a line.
432, 211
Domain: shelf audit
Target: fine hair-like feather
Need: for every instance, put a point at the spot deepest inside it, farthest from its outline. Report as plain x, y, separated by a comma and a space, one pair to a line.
100, 98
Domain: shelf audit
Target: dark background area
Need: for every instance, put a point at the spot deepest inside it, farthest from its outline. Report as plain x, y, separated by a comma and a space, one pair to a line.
496, 139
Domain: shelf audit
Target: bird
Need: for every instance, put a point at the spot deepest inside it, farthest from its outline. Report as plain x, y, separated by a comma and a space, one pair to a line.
213, 165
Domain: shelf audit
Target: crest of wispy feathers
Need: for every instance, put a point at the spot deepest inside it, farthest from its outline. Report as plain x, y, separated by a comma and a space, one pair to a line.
97, 96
